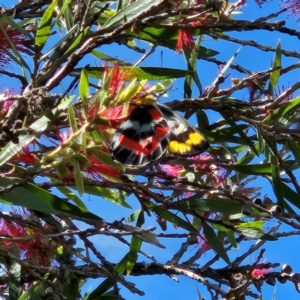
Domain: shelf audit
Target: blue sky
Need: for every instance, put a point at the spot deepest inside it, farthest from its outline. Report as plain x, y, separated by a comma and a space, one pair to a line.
162, 287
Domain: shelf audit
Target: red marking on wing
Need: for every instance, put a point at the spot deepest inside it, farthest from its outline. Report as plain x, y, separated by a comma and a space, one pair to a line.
145, 146
161, 132
155, 114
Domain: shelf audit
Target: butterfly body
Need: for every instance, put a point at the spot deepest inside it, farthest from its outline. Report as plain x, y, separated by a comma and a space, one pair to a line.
150, 131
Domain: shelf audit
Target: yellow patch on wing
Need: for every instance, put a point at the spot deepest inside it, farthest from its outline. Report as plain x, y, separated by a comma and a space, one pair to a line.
186, 147
147, 99
196, 138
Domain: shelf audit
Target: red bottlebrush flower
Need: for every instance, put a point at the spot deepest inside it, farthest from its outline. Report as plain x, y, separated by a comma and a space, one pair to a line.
5, 105
281, 90
173, 171
185, 38
25, 156
37, 251
293, 6
260, 2
118, 77
203, 244
17, 38
116, 115
256, 273
98, 170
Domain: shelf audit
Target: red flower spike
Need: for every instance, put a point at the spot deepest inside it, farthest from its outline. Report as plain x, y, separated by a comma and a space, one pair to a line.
25, 156
185, 38
5, 105
118, 76
116, 115
260, 2
17, 38
203, 244
293, 6
256, 273
173, 171
35, 251
97, 169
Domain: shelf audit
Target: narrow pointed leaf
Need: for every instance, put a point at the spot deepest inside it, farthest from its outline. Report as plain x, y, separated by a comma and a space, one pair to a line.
135, 246
101, 289
274, 76
84, 89
24, 139
131, 12
71, 196
284, 110
43, 32
72, 118
215, 242
78, 179
142, 73
14, 275
165, 214
277, 183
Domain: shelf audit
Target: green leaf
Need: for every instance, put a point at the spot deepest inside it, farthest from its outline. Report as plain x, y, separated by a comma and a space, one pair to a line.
56, 204
117, 197
43, 31
198, 294
277, 183
78, 178
142, 73
283, 110
254, 224
101, 289
257, 234
249, 156
168, 37
14, 275
133, 216
202, 119
109, 59
80, 39
165, 214
212, 205
131, 12
254, 169
24, 139
204, 52
274, 76
65, 37
16, 26
72, 118
215, 242
56, 64
240, 132
229, 233
192, 59
135, 246
71, 288
34, 292
84, 89
295, 148
225, 134
291, 195
71, 196
21, 196
62, 11
225, 68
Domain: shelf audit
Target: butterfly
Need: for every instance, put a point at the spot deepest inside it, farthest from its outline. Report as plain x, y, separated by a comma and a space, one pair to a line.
151, 131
